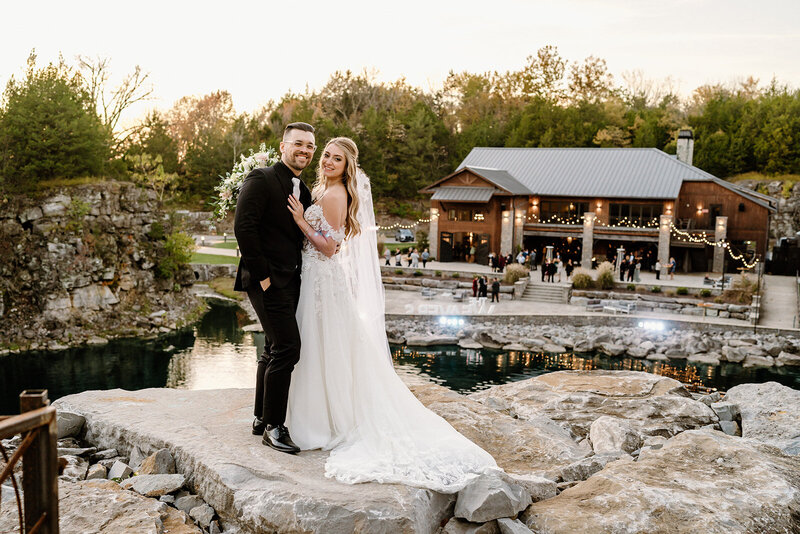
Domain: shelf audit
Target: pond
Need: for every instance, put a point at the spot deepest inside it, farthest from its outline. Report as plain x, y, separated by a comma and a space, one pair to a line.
216, 353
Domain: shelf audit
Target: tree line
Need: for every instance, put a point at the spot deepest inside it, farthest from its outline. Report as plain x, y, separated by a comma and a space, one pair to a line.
62, 121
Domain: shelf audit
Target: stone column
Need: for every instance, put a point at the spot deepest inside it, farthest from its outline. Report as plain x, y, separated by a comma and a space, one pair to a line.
664, 232
720, 233
433, 233
519, 223
587, 246
506, 229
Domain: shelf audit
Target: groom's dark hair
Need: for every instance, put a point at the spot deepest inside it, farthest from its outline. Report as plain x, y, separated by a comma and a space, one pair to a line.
304, 126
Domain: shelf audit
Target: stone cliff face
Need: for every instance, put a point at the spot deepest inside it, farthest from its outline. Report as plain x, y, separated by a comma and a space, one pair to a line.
81, 264
786, 222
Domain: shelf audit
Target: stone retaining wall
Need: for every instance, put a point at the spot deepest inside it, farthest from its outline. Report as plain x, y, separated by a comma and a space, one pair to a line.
679, 305
417, 283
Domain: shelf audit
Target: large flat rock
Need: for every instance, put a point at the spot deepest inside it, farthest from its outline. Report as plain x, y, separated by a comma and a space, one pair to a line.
256, 488
700, 481
518, 446
652, 404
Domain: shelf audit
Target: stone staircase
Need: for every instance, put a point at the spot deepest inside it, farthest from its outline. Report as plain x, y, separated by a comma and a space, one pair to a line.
537, 291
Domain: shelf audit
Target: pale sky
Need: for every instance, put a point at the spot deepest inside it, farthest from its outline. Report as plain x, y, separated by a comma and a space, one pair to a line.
259, 50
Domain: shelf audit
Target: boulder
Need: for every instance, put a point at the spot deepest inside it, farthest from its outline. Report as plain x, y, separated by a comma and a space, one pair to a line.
102, 507
652, 404
770, 414
583, 469
552, 347
539, 488
208, 432
733, 354
203, 514
424, 340
786, 358
69, 424
519, 446
469, 343
611, 434
75, 469
186, 503
512, 526
758, 361
704, 358
515, 346
611, 349
699, 481
96, 471
726, 411
491, 496
459, 526
154, 485
637, 352
159, 463
119, 470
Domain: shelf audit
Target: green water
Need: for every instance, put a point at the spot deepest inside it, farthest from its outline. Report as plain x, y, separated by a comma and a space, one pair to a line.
215, 354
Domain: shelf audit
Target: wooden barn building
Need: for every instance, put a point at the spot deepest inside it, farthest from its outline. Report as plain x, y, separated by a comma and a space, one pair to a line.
589, 202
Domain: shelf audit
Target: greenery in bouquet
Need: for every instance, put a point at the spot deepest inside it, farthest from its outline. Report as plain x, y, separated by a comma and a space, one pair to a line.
229, 185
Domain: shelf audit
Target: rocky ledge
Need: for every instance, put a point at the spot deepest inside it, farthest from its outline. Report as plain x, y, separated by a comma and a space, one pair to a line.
81, 264
695, 346
583, 451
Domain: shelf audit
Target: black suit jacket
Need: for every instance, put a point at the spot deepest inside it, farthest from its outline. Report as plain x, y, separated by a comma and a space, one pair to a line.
269, 240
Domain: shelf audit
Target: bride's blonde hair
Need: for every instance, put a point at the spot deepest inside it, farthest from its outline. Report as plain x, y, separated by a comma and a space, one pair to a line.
350, 150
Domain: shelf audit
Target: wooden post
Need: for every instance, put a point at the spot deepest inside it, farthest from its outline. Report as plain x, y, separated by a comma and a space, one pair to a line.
40, 468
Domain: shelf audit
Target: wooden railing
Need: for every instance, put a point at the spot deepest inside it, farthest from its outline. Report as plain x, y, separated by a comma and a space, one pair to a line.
39, 455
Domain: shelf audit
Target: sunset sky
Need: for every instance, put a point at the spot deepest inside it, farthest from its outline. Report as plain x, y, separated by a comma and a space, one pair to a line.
260, 50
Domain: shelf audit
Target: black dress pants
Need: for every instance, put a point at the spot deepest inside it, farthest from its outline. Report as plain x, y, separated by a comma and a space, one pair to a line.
276, 309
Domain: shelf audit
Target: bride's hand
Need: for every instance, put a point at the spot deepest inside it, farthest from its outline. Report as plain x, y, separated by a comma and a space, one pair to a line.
296, 207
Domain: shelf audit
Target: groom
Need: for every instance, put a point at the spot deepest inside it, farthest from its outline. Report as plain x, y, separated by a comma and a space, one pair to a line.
269, 270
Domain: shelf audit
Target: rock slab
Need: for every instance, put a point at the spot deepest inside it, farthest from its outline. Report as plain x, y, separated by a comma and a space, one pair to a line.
699, 481
250, 486
491, 496
770, 413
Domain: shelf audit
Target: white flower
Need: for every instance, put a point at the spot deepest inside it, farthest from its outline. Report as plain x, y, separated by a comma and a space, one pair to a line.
261, 159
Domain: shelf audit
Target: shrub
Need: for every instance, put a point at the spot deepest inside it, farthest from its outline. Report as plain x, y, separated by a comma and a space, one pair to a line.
398, 271
605, 275
581, 279
669, 293
177, 252
417, 273
455, 275
422, 240
655, 289
515, 272
682, 291
705, 292
631, 287
437, 273
381, 247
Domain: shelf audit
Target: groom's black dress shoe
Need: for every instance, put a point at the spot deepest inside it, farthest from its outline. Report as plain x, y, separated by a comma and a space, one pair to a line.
258, 427
279, 439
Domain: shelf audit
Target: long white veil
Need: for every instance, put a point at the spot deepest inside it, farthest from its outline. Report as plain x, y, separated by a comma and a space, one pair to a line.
359, 257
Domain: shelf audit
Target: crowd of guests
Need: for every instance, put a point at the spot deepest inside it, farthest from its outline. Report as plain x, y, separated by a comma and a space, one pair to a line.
412, 257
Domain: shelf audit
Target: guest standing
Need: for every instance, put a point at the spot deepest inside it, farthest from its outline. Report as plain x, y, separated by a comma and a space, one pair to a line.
495, 290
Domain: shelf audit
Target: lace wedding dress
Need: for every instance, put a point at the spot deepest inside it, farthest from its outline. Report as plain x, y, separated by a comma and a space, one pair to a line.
346, 397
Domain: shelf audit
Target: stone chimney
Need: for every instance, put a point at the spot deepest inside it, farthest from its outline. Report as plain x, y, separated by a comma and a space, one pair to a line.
685, 146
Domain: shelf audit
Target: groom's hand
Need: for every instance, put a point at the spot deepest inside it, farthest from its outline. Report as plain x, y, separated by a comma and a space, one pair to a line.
265, 284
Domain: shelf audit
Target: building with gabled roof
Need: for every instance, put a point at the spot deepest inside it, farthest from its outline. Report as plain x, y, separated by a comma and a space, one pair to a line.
501, 199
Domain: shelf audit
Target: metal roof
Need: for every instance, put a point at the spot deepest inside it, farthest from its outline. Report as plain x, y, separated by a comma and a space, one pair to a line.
464, 194
589, 172
501, 179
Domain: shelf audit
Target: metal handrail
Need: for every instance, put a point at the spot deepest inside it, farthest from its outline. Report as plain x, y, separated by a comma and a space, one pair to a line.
38, 452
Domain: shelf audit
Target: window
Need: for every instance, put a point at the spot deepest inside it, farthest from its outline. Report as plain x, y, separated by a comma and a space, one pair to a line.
466, 215
633, 214
562, 211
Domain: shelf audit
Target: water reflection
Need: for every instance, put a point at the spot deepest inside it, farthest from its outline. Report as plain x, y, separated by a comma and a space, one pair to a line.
466, 370
216, 353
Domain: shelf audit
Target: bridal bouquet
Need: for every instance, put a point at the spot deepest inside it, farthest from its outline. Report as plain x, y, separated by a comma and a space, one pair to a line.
228, 188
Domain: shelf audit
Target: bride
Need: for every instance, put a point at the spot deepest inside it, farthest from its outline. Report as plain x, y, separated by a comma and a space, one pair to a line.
345, 395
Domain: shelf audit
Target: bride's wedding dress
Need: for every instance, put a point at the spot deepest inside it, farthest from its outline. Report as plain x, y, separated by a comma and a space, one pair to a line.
346, 397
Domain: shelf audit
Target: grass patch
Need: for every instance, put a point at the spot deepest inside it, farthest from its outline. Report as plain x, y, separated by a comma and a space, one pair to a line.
214, 259
224, 286
230, 245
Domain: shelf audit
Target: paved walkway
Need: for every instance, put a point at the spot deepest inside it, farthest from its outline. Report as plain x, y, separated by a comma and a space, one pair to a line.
779, 304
